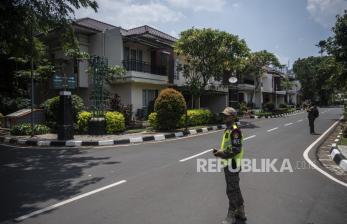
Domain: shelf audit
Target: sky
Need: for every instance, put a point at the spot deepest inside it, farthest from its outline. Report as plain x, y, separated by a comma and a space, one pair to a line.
288, 28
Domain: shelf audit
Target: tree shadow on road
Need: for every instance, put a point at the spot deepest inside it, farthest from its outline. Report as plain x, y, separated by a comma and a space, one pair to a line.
32, 176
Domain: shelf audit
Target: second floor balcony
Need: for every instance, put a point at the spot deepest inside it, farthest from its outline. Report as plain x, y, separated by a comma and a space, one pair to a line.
144, 72
146, 67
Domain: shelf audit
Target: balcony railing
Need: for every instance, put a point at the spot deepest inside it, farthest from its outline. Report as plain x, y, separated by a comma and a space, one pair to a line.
141, 66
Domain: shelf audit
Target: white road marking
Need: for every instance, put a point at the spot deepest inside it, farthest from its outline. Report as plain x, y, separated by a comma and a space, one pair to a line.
209, 150
249, 137
307, 158
301, 120
288, 124
272, 129
196, 155
21, 218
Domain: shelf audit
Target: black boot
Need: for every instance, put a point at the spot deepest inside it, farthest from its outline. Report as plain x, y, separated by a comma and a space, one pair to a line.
230, 219
240, 213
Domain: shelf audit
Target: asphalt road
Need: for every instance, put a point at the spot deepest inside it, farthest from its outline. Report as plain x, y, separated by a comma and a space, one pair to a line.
158, 183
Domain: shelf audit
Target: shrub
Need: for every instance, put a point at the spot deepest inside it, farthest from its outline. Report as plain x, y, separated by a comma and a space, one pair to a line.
170, 106
82, 121
344, 133
51, 107
152, 119
269, 107
282, 105
116, 105
197, 117
25, 129
243, 107
115, 122
263, 114
10, 104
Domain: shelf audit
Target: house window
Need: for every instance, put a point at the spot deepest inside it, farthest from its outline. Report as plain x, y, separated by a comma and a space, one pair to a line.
148, 95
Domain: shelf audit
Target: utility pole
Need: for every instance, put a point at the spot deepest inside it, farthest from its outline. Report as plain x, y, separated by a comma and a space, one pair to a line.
32, 78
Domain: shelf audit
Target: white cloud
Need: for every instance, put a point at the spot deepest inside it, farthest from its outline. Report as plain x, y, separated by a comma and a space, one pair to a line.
127, 13
324, 11
199, 5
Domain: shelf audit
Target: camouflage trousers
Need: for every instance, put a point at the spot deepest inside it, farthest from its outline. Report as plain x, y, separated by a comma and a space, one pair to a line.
233, 189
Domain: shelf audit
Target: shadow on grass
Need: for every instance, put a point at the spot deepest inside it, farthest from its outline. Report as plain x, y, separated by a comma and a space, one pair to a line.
33, 176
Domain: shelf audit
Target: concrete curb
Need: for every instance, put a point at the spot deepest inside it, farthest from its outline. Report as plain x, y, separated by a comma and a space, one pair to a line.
131, 140
278, 115
337, 156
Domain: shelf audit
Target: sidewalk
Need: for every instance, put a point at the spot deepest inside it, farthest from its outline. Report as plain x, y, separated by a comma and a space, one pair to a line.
124, 138
101, 140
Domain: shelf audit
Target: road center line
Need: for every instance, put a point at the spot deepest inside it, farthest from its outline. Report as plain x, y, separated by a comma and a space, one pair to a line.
288, 124
209, 150
21, 218
272, 129
249, 137
196, 155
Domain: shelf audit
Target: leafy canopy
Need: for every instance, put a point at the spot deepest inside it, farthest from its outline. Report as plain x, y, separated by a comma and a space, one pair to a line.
208, 53
337, 46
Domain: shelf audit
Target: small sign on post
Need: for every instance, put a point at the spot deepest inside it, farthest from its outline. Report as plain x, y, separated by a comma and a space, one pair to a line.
63, 82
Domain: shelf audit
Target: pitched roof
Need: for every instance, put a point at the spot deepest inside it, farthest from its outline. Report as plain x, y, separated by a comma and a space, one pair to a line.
148, 30
94, 24
141, 30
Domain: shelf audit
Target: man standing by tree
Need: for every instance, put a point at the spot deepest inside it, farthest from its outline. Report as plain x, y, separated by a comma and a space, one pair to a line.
231, 153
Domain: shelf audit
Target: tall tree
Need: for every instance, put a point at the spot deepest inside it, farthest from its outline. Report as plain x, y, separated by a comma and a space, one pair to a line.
317, 77
256, 66
337, 47
20, 21
208, 53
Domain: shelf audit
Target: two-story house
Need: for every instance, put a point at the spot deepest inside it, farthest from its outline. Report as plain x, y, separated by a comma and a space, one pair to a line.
270, 89
147, 55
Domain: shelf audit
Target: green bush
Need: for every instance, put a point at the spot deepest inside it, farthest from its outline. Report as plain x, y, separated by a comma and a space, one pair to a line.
170, 106
282, 105
51, 107
152, 119
344, 133
197, 117
82, 121
115, 122
263, 114
10, 104
25, 129
269, 107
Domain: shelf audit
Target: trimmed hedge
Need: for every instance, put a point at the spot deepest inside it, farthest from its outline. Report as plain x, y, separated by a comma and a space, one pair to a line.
195, 117
115, 122
169, 106
263, 114
25, 129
